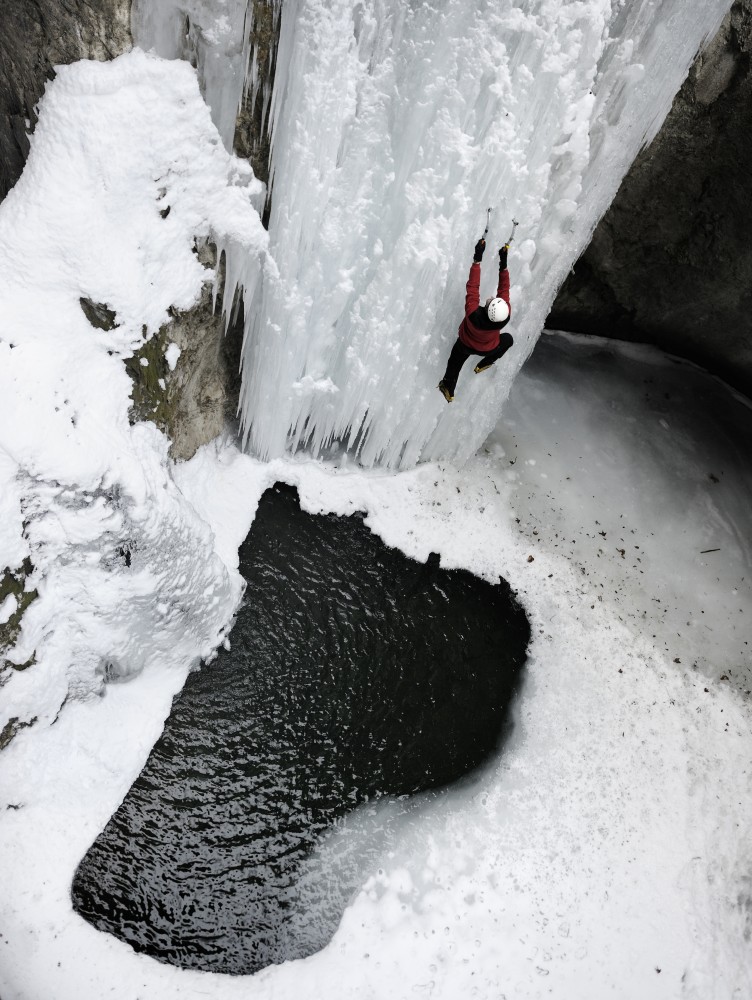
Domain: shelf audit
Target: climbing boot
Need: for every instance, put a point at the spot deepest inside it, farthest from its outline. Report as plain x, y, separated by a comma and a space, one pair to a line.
445, 391
483, 368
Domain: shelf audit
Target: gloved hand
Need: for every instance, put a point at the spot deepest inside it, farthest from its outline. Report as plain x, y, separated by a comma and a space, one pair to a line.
503, 256
480, 246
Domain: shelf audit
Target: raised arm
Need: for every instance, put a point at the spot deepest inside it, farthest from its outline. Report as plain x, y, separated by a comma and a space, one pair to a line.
502, 292
472, 288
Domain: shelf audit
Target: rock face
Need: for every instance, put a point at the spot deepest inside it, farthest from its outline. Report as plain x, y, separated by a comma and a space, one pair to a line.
186, 377
192, 401
35, 36
671, 261
14, 600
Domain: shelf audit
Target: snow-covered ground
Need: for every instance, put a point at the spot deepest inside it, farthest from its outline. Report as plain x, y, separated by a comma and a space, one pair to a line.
608, 851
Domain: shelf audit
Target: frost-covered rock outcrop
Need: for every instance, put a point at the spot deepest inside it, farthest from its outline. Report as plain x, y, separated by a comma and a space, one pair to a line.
93, 266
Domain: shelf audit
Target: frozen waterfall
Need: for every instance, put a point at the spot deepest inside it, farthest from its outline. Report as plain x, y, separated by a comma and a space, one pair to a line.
210, 34
394, 126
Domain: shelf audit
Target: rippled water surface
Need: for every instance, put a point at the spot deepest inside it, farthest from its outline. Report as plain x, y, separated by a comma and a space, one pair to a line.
354, 674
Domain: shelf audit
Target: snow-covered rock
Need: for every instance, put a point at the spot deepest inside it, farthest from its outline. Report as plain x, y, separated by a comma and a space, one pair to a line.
89, 497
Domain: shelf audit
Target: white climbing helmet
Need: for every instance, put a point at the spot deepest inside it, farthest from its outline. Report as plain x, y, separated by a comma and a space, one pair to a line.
498, 310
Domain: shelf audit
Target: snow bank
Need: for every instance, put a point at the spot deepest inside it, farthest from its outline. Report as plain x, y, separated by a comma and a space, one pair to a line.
126, 571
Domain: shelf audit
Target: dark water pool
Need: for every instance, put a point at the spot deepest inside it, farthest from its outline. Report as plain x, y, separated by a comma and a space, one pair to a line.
354, 674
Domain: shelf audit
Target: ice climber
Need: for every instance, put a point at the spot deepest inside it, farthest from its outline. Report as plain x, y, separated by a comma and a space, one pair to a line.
480, 330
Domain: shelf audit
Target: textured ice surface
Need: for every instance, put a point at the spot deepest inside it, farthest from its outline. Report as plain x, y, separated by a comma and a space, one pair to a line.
394, 126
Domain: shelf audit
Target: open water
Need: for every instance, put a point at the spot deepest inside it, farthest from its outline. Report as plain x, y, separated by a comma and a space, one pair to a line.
354, 674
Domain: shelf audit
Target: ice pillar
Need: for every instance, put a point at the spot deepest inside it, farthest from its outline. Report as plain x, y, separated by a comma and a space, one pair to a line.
394, 127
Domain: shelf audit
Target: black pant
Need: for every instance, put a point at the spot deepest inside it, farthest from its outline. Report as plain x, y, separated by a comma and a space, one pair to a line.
460, 354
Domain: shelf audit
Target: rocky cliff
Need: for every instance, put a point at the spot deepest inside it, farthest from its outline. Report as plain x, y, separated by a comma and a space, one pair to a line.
671, 261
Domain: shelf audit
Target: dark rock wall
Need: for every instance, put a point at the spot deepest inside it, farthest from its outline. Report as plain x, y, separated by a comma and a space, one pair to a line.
194, 402
671, 261
35, 36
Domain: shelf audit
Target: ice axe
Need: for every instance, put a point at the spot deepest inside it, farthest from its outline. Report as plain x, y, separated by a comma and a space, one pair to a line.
515, 223
488, 221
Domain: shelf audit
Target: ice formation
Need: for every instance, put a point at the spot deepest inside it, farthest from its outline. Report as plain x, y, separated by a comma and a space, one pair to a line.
394, 127
212, 36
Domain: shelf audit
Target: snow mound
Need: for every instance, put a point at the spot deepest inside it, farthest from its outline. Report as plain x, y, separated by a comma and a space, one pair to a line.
125, 570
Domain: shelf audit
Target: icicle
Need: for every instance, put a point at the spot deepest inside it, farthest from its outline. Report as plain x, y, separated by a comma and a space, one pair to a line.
211, 34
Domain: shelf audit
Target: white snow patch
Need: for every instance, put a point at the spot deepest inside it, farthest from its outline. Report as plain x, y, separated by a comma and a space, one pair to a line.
8, 608
172, 354
310, 384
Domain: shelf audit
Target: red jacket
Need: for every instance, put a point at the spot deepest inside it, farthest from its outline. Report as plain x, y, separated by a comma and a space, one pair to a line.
477, 332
